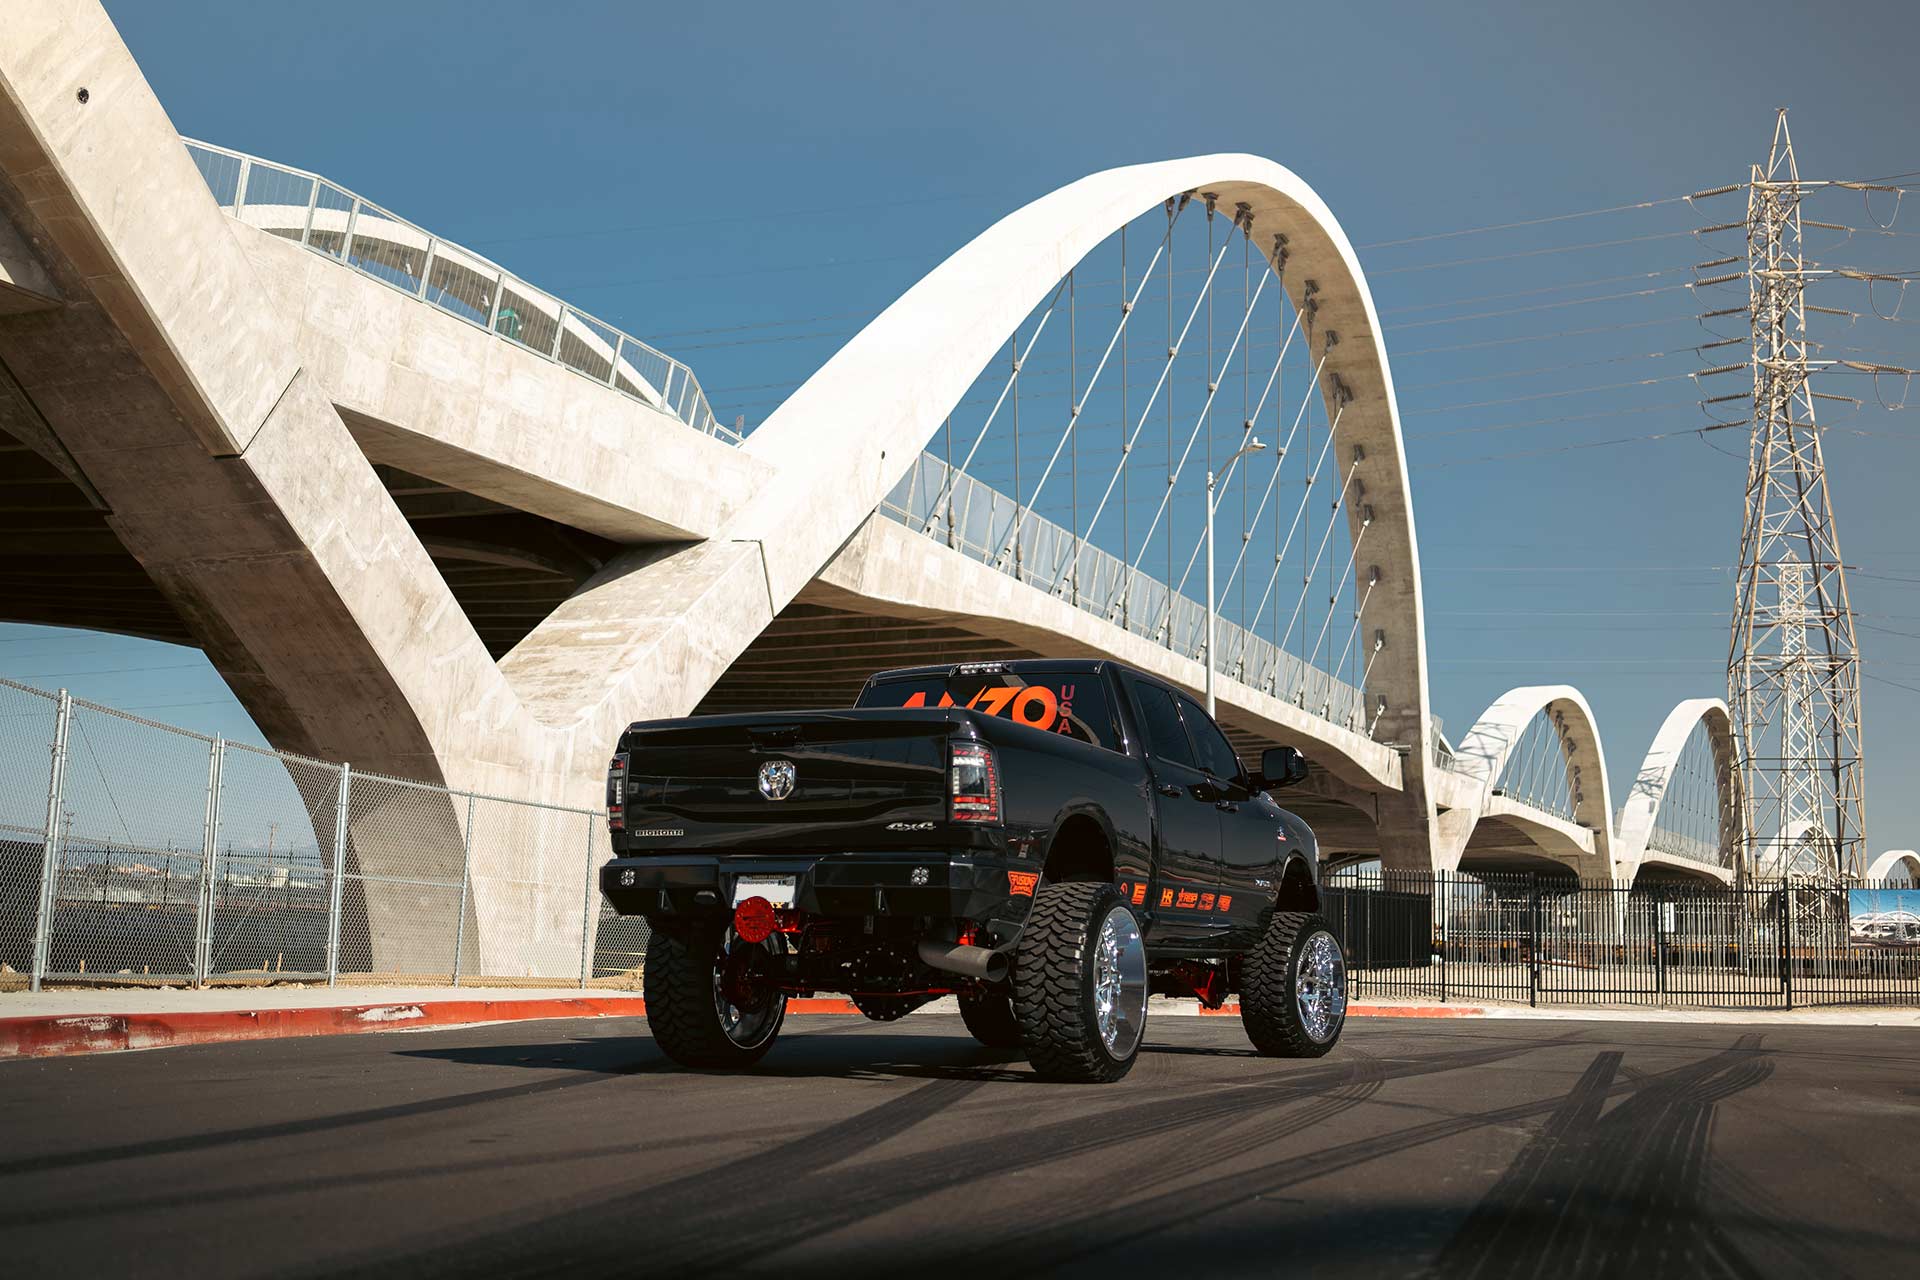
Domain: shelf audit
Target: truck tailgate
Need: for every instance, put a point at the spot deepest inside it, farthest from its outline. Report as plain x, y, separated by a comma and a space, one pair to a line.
697, 783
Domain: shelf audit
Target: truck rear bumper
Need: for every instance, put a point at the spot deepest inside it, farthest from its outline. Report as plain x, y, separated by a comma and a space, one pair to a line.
947, 886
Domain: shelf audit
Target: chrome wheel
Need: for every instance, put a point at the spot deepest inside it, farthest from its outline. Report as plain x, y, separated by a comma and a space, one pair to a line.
748, 1007
1120, 983
1320, 987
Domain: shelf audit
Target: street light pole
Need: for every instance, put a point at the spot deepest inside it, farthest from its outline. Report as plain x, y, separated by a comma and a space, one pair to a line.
1253, 445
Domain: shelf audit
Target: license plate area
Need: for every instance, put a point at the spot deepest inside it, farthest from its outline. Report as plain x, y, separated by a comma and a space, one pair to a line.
779, 891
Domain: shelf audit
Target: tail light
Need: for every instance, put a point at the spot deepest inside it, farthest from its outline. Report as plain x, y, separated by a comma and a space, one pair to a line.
755, 920
617, 793
974, 783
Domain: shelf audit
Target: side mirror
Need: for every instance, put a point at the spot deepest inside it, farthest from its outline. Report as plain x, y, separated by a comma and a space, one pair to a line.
1280, 767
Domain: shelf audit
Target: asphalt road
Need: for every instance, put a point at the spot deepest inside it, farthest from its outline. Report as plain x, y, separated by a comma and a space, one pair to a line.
1461, 1147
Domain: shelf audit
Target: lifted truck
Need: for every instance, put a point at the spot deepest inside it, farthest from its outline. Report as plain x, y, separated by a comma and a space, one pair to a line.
1048, 841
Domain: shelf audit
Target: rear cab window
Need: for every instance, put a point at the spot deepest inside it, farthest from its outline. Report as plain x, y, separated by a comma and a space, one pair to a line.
1071, 703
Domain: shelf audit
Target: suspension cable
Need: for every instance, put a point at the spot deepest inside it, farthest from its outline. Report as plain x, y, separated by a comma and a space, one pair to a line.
1366, 521
1339, 502
1213, 387
1012, 378
1073, 415
1159, 385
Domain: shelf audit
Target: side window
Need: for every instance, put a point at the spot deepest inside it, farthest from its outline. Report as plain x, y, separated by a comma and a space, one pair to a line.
1165, 738
1216, 753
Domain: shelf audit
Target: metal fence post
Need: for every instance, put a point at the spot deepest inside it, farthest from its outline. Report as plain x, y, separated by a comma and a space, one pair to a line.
50, 845
466, 879
586, 910
493, 312
313, 202
346, 238
1783, 934
1660, 946
1533, 941
209, 851
338, 896
240, 185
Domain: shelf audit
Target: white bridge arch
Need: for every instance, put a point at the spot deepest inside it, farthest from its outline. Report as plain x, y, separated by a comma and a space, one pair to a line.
1885, 867
257, 365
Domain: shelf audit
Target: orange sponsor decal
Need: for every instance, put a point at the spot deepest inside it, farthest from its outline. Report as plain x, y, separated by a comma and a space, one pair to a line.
1166, 897
1226, 902
1139, 893
1188, 898
1021, 883
1035, 705
1206, 902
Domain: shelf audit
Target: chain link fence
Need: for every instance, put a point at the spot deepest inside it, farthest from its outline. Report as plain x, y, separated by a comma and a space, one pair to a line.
133, 851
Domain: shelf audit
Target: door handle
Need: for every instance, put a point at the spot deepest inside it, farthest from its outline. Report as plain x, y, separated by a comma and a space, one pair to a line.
1226, 806
1168, 789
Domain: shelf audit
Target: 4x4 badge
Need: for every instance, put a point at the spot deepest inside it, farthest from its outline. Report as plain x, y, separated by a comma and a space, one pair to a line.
776, 779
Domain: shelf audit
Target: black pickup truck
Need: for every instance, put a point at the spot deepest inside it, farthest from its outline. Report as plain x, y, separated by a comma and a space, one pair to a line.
1048, 841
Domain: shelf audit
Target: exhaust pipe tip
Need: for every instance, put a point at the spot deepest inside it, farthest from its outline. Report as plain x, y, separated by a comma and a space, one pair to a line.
983, 963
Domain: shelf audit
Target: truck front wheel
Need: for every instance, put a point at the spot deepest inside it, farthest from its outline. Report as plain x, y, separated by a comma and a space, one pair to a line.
710, 997
1293, 1000
1080, 983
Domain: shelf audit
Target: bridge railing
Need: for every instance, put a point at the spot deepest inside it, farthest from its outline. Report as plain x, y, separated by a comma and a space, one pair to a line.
1678, 844
330, 220
977, 521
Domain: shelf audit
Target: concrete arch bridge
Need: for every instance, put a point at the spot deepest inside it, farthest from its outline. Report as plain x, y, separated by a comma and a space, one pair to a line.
428, 518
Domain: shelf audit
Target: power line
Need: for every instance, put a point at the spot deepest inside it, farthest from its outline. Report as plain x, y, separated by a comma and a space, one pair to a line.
1544, 337
1571, 448
760, 216
1537, 422
1545, 306
1524, 222
112, 671
1530, 253
1557, 395
1528, 293
1546, 368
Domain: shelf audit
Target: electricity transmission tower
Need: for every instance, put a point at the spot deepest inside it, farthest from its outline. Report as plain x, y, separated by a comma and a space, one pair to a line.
1793, 667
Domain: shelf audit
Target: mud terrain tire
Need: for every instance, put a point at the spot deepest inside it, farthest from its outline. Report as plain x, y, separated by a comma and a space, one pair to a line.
1298, 951
688, 1015
1080, 983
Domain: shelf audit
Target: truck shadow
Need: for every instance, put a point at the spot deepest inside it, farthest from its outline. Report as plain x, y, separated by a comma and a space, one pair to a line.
814, 1055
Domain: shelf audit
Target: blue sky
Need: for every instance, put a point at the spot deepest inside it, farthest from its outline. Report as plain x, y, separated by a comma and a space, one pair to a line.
688, 171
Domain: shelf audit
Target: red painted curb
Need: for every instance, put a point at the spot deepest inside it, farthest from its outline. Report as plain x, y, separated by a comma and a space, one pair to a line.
48, 1037
1232, 1008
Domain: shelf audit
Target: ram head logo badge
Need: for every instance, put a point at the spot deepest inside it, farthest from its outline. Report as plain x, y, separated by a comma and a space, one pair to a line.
776, 779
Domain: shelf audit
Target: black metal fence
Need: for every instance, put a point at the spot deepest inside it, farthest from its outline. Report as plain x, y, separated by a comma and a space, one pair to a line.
1547, 940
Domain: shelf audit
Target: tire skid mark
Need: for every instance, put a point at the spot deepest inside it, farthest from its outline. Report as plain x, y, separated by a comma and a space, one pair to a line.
1157, 1176
42, 1164
749, 1208
1160, 1161
704, 1207
1774, 1224
1116, 1227
835, 1199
